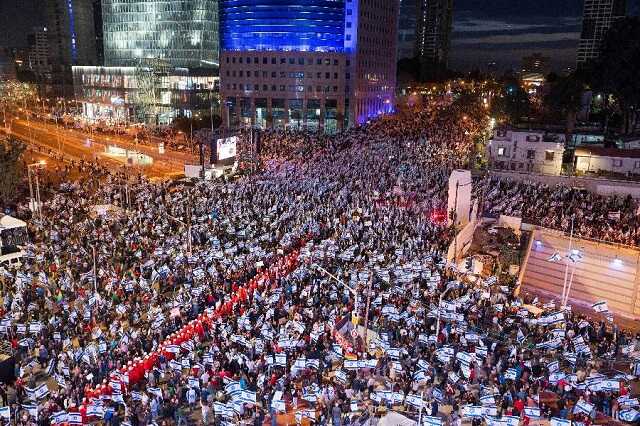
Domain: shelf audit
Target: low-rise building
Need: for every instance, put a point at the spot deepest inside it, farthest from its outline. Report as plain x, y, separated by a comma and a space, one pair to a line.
607, 161
141, 94
534, 151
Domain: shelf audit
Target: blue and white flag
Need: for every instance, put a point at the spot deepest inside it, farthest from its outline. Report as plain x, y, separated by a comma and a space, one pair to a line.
629, 415
600, 306
488, 400
95, 410
74, 419
532, 412
58, 417
438, 394
556, 421
511, 374
472, 411
5, 413
555, 257
431, 421
584, 407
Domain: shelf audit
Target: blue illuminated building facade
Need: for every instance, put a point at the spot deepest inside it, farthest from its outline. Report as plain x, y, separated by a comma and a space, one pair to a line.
315, 64
309, 26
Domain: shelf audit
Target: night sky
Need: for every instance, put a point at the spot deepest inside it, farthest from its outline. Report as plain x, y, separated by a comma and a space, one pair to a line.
484, 30
506, 30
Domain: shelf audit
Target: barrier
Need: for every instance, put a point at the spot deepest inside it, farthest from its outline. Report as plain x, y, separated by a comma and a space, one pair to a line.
136, 369
597, 185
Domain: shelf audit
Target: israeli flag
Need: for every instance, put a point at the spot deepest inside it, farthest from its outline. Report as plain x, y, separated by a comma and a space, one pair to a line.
600, 306
41, 391
556, 421
584, 407
511, 374
95, 410
431, 421
58, 417
521, 337
74, 419
438, 394
555, 257
488, 400
5, 413
553, 366
532, 412
630, 415
472, 411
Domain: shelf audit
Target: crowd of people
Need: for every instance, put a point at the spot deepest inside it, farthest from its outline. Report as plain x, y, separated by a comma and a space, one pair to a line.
608, 218
314, 291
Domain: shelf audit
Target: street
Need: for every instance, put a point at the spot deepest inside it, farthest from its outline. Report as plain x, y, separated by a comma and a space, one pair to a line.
77, 145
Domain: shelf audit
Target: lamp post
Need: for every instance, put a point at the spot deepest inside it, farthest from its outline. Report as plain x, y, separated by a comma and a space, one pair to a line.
439, 309
566, 269
352, 291
188, 226
33, 202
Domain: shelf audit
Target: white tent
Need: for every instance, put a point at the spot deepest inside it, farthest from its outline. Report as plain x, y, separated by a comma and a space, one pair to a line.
395, 419
9, 222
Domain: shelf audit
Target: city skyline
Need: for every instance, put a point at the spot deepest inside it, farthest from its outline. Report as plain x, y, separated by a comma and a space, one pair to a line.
503, 31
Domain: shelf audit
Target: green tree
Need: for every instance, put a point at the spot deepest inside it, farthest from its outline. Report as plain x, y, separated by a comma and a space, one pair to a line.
10, 152
512, 104
617, 69
564, 99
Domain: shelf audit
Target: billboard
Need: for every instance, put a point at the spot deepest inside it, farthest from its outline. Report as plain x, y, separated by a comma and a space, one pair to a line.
226, 148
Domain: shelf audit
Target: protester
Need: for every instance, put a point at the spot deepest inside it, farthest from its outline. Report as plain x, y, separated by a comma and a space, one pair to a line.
234, 302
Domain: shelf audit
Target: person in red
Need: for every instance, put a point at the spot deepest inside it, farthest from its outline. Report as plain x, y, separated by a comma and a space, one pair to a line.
519, 405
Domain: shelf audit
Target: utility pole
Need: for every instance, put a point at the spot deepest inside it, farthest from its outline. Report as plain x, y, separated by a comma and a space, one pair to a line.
366, 316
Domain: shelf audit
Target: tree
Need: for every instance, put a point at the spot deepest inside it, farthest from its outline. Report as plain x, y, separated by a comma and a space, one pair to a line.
617, 69
564, 98
512, 103
10, 152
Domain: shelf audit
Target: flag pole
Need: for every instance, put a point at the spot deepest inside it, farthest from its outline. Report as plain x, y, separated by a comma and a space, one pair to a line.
566, 269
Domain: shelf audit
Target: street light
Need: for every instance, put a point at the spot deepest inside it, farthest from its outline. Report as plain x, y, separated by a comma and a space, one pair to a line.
38, 164
354, 293
440, 309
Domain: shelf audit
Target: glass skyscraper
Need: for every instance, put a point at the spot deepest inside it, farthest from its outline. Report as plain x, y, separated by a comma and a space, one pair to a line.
309, 26
182, 32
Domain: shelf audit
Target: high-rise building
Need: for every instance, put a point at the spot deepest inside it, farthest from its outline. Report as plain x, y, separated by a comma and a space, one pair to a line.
307, 63
407, 27
97, 24
38, 42
535, 63
71, 33
161, 61
184, 33
597, 17
7, 64
433, 34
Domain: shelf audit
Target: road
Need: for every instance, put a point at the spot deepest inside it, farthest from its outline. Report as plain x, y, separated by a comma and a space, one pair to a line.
77, 145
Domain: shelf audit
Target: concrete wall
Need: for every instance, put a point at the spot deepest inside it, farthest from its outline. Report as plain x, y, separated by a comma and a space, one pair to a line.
459, 198
597, 185
597, 164
462, 241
